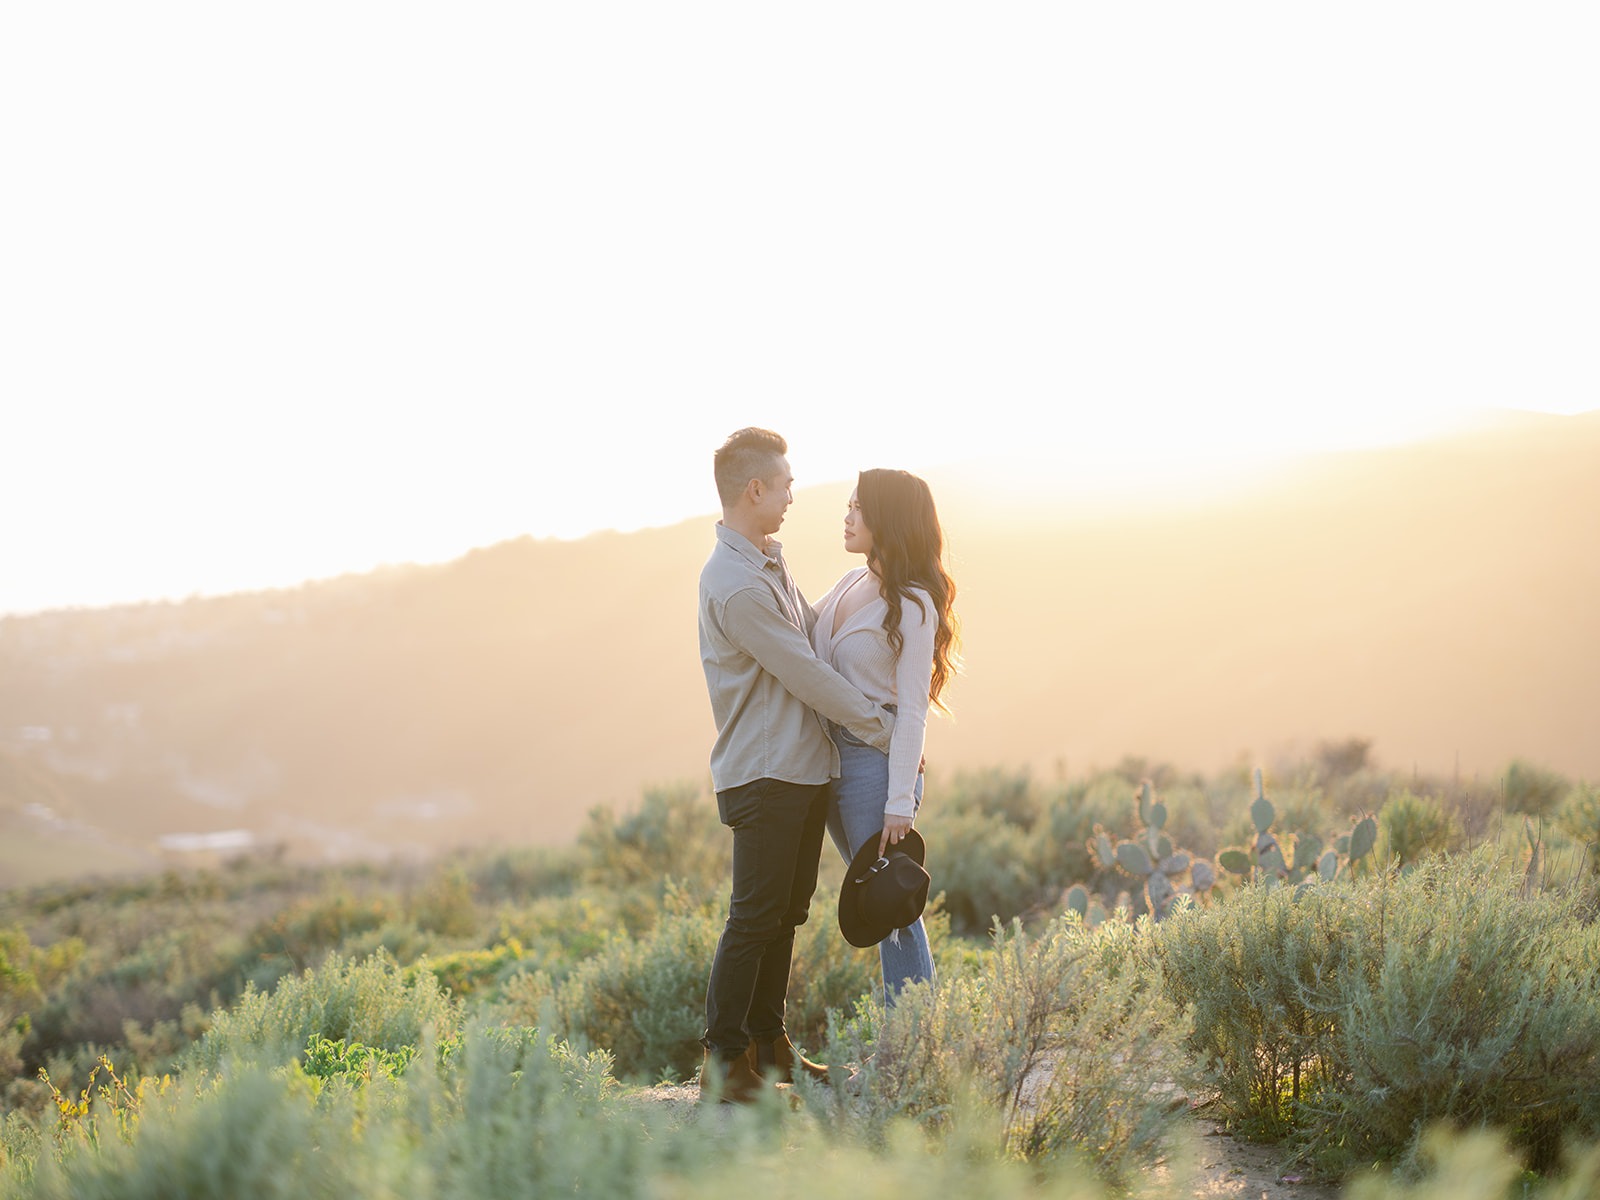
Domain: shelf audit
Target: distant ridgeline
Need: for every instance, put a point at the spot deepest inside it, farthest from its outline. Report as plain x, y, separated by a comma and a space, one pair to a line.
1436, 601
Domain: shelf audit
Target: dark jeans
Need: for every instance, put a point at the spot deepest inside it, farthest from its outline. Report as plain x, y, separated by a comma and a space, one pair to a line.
777, 847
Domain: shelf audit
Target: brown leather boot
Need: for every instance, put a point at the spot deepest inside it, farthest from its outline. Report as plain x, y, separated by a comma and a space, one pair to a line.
778, 1059
731, 1082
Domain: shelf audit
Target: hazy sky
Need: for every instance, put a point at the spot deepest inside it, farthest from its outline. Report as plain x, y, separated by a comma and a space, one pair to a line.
298, 288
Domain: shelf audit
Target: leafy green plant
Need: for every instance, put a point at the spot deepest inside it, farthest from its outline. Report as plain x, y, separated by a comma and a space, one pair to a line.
326, 1058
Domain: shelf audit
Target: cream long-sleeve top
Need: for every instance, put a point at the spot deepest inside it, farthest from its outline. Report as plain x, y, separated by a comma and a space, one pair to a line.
859, 650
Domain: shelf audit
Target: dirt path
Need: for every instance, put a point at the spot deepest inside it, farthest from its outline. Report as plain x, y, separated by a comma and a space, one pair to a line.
1227, 1166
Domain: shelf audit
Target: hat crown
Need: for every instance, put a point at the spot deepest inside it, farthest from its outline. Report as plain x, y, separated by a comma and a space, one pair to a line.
882, 893
896, 889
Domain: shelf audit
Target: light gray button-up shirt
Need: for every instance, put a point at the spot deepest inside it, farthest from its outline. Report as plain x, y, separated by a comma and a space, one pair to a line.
769, 690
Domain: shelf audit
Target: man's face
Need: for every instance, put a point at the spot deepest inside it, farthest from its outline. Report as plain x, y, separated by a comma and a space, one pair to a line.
773, 497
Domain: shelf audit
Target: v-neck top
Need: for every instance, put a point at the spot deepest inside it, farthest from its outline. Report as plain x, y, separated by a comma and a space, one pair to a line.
860, 651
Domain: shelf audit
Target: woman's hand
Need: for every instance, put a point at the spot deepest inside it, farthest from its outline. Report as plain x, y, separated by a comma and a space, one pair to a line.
894, 828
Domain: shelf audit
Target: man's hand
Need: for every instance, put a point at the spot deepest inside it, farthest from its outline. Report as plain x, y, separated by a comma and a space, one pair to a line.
894, 828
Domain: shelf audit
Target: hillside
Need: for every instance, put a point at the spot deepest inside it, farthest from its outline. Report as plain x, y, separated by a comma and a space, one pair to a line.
1437, 599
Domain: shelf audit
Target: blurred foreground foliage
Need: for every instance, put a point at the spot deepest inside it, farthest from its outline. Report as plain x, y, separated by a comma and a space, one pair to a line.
483, 1024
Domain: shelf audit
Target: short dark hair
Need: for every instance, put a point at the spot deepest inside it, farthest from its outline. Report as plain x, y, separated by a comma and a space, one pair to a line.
750, 453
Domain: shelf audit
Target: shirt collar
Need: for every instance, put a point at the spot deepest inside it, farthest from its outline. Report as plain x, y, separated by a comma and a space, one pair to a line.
749, 550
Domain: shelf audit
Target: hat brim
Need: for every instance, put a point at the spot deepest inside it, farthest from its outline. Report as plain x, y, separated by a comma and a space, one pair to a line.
857, 930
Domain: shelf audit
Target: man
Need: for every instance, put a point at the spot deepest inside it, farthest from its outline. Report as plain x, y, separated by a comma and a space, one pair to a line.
770, 765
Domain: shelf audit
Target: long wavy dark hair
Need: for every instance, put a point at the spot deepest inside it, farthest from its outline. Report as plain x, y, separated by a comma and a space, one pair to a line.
908, 551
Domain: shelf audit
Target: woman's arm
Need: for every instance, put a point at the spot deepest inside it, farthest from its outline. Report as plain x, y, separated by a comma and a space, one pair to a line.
913, 677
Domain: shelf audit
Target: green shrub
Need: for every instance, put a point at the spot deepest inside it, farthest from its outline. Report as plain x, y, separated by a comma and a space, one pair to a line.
372, 1001
156, 1048
559, 932
526, 998
1361, 1012
400, 939
1303, 807
642, 1000
445, 905
1066, 1037
1475, 1165
522, 873
1580, 820
1007, 796
673, 834
252, 1136
1411, 827
1475, 1005
19, 996
29, 977
468, 972
1343, 757
524, 1116
1193, 820
1533, 790
1069, 822
1258, 977
829, 974
302, 933
986, 868
508, 1115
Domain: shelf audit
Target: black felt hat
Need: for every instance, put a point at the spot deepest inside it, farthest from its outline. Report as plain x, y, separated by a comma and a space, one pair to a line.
880, 895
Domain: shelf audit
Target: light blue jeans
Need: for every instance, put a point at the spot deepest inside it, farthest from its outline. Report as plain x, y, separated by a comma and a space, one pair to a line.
855, 813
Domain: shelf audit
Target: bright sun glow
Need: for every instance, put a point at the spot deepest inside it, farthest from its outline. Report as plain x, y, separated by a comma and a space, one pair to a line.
306, 288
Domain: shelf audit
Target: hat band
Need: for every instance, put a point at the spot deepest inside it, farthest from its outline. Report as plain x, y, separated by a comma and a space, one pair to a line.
872, 870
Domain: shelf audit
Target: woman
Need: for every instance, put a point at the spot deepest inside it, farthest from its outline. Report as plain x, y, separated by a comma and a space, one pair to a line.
889, 628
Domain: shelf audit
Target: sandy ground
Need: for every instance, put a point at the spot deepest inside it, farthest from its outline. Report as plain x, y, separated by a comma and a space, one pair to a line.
1225, 1166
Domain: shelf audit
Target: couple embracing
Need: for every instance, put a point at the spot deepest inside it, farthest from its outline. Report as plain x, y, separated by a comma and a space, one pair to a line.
821, 713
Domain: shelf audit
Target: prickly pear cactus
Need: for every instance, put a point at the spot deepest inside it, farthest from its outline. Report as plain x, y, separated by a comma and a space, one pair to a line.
1077, 899
1363, 838
1166, 873
1263, 860
1089, 909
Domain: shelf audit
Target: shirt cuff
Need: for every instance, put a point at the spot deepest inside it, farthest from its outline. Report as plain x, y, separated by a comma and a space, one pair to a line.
901, 806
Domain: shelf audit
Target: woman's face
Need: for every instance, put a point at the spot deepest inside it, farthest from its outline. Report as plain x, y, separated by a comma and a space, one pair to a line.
857, 537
